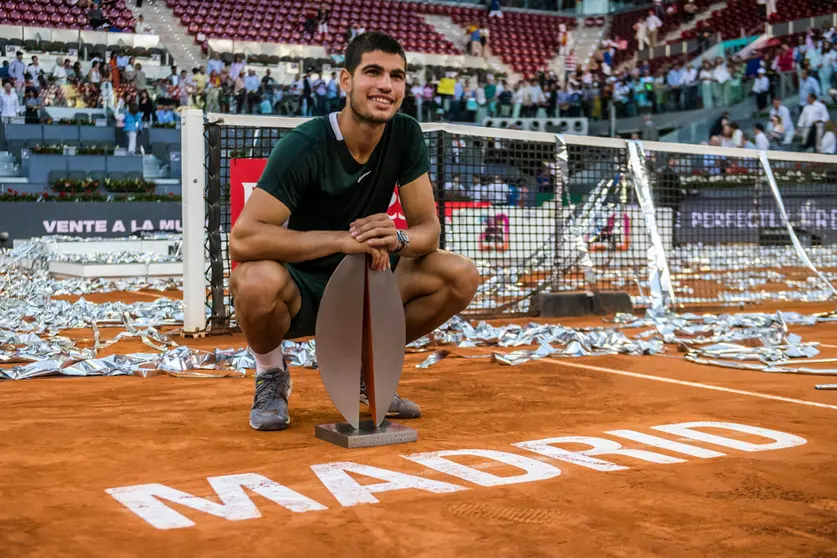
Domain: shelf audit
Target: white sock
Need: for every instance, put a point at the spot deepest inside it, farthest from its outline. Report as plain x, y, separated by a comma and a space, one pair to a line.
269, 361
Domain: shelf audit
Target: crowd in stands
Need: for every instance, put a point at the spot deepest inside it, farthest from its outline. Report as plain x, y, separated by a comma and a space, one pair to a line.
590, 90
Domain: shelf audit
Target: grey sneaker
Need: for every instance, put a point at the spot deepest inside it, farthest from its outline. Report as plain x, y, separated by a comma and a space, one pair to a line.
398, 408
270, 404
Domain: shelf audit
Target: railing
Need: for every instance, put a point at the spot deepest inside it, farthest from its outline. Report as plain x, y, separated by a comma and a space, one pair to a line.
108, 38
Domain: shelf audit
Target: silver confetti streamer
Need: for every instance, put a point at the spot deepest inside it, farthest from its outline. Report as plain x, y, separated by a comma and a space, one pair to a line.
800, 251
659, 278
31, 322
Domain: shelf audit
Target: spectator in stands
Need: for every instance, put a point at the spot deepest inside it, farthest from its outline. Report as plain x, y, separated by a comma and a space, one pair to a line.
704, 39
733, 135
140, 81
165, 115
813, 116
784, 61
185, 88
776, 132
674, 81
32, 105
689, 10
718, 126
475, 192
494, 9
59, 72
76, 76
689, 85
622, 98
653, 24
760, 138
106, 92
721, 86
307, 96
649, 130
114, 66
498, 192
319, 92
199, 79
34, 69
309, 27
334, 93
669, 192
570, 64
784, 116
252, 86
563, 39
133, 127
29, 85
94, 16
214, 64
174, 78
146, 106
641, 29
4, 70
237, 67
808, 85
519, 195
828, 142
455, 188
829, 63
141, 27
17, 70
475, 38
213, 92
94, 76
268, 86
9, 102
714, 164
761, 87
323, 14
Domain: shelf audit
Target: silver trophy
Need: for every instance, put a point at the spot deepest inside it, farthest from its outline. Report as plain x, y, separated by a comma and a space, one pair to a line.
361, 335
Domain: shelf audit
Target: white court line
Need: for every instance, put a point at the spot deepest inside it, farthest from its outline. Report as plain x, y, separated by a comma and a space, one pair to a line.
687, 383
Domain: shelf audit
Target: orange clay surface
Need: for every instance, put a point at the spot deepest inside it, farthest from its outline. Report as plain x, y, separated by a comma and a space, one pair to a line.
64, 442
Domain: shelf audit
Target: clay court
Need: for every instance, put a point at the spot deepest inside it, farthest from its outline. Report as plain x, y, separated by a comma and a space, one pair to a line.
68, 442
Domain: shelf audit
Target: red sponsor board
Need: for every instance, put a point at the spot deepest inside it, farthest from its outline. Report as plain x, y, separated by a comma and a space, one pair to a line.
245, 174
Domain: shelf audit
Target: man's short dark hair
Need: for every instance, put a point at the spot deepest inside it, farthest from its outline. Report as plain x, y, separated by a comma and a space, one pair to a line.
370, 42
759, 127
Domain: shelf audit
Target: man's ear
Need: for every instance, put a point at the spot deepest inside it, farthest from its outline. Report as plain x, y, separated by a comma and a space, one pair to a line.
345, 80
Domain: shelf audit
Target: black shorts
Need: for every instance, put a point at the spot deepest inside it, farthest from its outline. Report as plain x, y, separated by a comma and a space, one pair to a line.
311, 288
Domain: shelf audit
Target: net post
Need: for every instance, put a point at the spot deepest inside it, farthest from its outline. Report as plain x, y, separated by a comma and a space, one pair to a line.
215, 243
441, 179
193, 217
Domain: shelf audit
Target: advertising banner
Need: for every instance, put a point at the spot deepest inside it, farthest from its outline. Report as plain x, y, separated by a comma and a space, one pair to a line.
23, 220
500, 235
713, 221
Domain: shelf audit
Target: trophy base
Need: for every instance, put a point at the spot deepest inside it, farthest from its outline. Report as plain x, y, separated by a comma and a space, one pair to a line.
367, 435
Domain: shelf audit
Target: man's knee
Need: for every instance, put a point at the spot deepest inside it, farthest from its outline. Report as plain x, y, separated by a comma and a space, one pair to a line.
463, 279
258, 286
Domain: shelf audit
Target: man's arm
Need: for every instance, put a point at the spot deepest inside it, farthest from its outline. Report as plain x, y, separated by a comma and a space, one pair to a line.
422, 221
259, 234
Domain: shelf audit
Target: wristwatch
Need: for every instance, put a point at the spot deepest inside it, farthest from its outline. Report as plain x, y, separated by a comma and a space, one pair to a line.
403, 241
